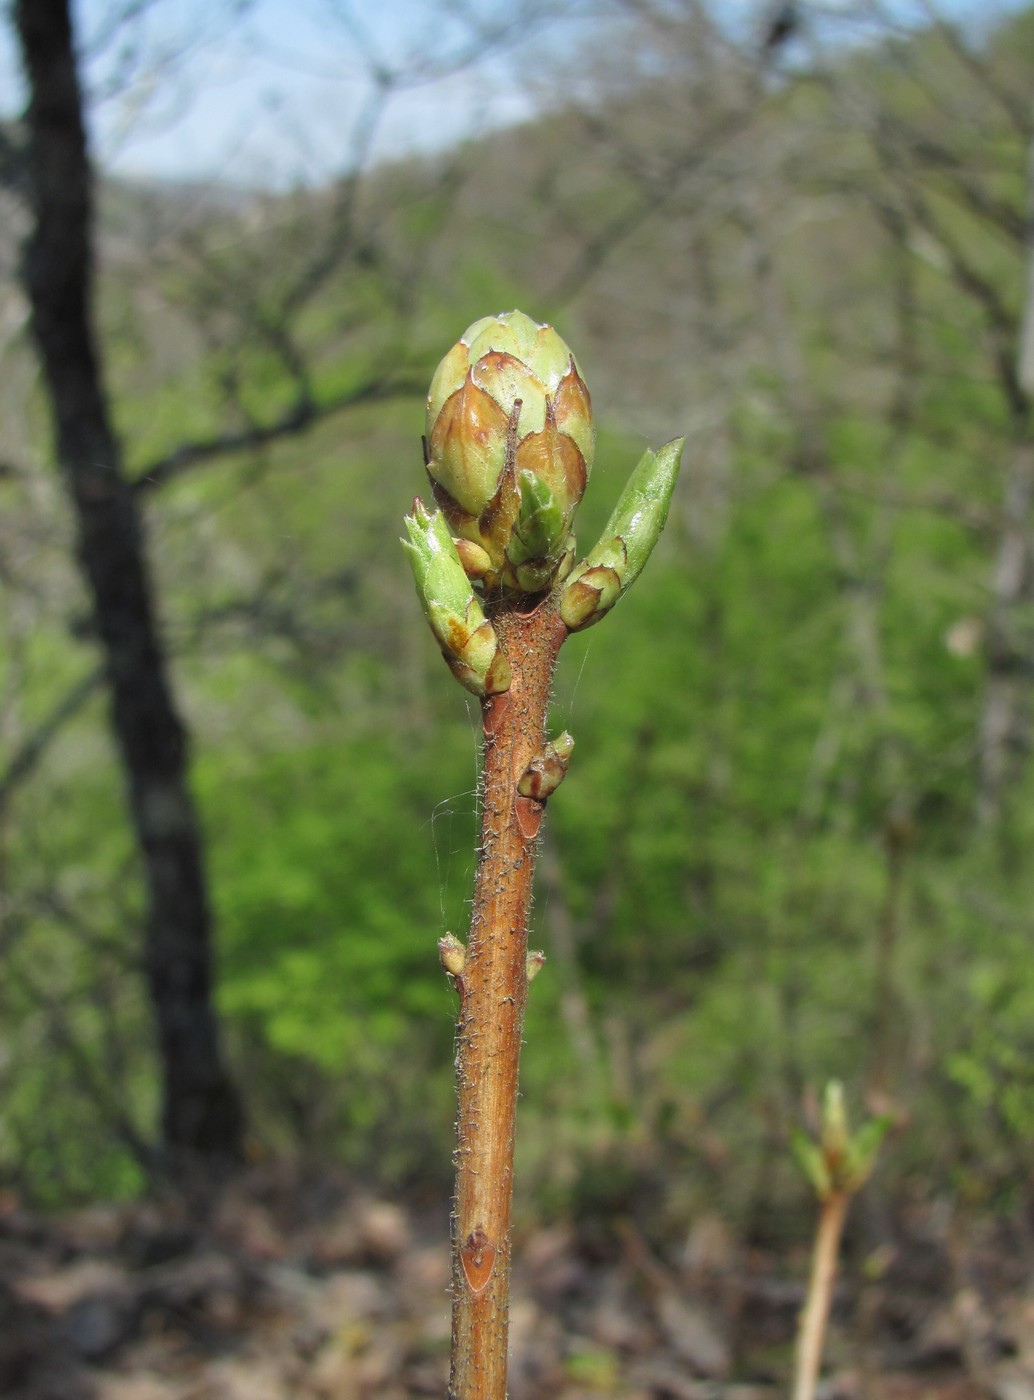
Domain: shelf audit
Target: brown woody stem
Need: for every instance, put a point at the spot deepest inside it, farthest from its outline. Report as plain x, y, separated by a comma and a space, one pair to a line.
493, 991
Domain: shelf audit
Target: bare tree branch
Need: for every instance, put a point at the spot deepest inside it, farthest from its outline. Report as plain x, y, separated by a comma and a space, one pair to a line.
298, 419
32, 750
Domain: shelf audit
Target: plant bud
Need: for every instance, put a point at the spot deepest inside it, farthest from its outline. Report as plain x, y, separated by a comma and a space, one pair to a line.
534, 963
467, 639
840, 1161
453, 954
617, 560
547, 770
834, 1134
509, 448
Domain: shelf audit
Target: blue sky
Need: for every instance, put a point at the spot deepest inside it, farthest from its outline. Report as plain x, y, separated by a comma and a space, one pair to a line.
269, 92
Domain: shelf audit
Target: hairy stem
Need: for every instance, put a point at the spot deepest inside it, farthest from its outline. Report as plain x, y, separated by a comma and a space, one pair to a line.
493, 990
820, 1295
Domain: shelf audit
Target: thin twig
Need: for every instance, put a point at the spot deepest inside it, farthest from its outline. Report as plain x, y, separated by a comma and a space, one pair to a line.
32, 749
299, 418
493, 990
820, 1295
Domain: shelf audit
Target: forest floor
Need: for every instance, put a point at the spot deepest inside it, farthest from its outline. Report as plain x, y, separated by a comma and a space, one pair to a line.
284, 1286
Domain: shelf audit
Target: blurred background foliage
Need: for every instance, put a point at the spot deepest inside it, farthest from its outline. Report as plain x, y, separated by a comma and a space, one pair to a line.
795, 840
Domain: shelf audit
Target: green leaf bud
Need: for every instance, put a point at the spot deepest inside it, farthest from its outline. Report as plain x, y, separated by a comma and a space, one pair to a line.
509, 447
467, 640
812, 1162
841, 1161
865, 1146
617, 560
538, 520
834, 1133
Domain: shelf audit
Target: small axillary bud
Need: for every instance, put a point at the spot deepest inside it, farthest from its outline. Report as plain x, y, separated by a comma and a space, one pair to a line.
453, 954
536, 961
547, 769
616, 561
475, 560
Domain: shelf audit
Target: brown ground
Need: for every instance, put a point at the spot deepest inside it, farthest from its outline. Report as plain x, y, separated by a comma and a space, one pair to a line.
308, 1290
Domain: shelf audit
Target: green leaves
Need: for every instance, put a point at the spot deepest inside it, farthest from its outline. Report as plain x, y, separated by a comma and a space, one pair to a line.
617, 560
839, 1161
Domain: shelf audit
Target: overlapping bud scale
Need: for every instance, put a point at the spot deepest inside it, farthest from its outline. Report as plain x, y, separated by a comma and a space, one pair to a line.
509, 449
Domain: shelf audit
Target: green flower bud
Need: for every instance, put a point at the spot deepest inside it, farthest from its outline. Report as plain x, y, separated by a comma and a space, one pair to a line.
617, 560
509, 448
467, 639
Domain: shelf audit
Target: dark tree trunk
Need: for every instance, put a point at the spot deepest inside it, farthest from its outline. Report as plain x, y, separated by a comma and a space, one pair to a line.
200, 1111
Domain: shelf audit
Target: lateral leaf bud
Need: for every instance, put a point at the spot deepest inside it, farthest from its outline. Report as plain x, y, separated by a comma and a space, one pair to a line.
617, 559
839, 1161
467, 640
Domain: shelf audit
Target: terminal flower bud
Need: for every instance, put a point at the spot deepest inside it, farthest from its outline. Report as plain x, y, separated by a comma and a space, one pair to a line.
467, 639
509, 449
616, 561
